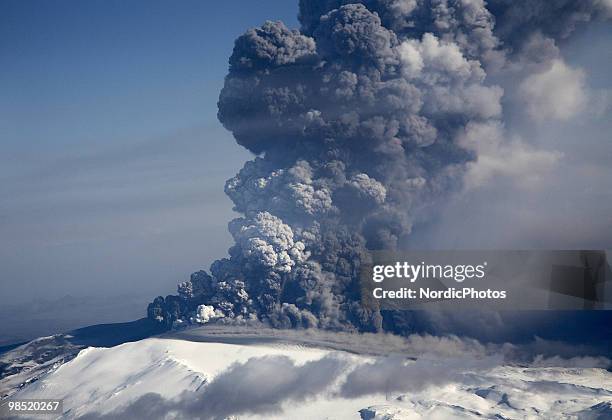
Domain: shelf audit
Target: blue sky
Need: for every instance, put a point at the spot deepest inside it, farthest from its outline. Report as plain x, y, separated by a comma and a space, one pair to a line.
113, 162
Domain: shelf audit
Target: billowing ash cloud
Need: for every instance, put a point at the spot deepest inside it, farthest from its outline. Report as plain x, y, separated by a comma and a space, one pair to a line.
359, 123
518, 20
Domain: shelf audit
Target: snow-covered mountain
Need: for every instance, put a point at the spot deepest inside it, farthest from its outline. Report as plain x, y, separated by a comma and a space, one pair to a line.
219, 373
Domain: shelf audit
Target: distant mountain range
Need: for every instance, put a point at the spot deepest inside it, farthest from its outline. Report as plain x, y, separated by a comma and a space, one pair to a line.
41, 317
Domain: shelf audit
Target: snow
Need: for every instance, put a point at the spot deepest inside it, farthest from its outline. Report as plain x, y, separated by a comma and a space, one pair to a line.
26, 363
100, 380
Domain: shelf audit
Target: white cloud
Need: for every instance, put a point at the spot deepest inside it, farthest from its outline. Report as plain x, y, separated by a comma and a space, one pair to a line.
497, 156
558, 93
442, 60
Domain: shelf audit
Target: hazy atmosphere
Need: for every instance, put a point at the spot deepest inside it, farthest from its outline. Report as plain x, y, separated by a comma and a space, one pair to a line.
113, 160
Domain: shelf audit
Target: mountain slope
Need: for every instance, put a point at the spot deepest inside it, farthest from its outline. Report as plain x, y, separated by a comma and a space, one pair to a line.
276, 378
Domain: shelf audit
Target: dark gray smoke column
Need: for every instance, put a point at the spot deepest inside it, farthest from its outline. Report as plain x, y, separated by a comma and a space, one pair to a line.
355, 120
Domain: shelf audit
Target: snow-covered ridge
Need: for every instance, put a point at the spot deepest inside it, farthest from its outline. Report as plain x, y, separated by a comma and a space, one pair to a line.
273, 378
26, 363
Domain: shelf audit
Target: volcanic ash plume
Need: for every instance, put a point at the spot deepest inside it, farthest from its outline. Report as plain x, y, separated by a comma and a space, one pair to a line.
356, 123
